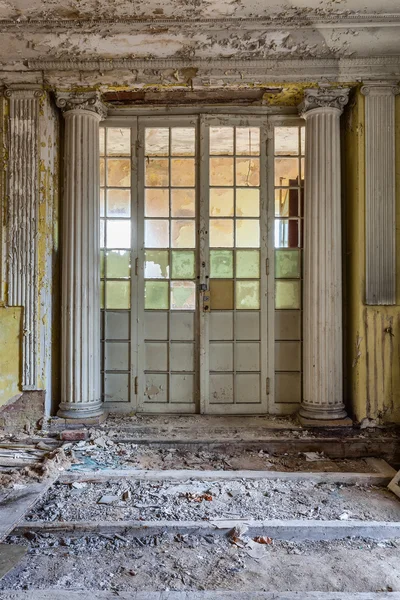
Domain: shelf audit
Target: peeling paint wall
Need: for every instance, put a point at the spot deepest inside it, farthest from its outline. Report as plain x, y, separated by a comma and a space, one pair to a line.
10, 352
372, 333
49, 281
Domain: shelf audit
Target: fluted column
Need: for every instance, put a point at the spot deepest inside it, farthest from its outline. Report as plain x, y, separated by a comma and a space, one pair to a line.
80, 326
380, 192
22, 221
322, 294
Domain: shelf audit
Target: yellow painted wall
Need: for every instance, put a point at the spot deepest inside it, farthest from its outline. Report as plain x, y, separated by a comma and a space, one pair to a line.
10, 352
372, 355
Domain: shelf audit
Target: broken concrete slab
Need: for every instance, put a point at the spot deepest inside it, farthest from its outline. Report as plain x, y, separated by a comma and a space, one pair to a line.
10, 555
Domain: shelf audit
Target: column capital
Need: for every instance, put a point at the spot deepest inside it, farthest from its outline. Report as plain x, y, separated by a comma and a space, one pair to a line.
380, 88
23, 92
81, 101
324, 97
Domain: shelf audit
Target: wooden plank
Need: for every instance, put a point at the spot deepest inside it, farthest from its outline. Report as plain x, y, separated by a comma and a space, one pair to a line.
15, 504
394, 484
55, 594
290, 529
185, 474
10, 556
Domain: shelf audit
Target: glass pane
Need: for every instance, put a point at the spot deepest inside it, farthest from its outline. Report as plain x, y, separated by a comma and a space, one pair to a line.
156, 234
247, 263
247, 233
119, 263
287, 263
286, 171
248, 171
118, 203
221, 202
247, 295
118, 141
102, 234
102, 260
183, 141
156, 202
303, 139
221, 233
118, 294
157, 172
183, 295
101, 140
221, 140
156, 264
118, 234
248, 141
302, 167
221, 171
247, 202
286, 203
287, 294
183, 203
156, 141
221, 263
286, 233
102, 202
183, 234
182, 172
102, 172
156, 295
286, 140
118, 172
183, 266
221, 294
101, 294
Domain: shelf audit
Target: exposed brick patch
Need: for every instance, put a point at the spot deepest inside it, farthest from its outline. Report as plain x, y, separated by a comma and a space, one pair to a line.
23, 412
73, 435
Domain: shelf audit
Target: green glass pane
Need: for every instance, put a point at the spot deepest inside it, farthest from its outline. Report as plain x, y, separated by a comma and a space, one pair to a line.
247, 295
101, 294
102, 260
287, 263
183, 295
183, 264
118, 294
118, 263
287, 294
156, 295
156, 264
221, 264
247, 263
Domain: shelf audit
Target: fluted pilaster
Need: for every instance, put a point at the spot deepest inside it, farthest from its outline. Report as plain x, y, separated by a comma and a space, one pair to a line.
22, 221
322, 294
380, 194
80, 343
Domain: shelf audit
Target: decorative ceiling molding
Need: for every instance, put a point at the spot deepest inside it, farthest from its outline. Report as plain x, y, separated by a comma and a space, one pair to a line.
228, 70
307, 21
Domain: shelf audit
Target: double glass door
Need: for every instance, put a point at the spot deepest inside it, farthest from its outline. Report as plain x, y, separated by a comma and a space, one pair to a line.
197, 301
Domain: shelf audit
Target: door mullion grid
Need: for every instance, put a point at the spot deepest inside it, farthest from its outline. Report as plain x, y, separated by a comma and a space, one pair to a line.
141, 349
204, 270
133, 317
234, 315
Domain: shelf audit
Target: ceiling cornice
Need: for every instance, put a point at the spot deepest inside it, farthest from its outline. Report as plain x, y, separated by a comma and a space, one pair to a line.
228, 70
309, 21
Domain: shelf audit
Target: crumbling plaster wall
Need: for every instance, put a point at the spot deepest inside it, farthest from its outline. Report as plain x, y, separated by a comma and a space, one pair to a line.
373, 354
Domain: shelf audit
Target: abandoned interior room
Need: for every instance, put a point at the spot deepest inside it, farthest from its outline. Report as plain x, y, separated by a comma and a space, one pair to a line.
199, 300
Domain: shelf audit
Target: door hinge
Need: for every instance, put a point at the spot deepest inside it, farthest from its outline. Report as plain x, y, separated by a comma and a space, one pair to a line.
267, 266
136, 266
268, 386
136, 385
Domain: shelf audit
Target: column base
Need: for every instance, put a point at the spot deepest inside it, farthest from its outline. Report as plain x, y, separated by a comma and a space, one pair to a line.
309, 423
322, 414
80, 411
